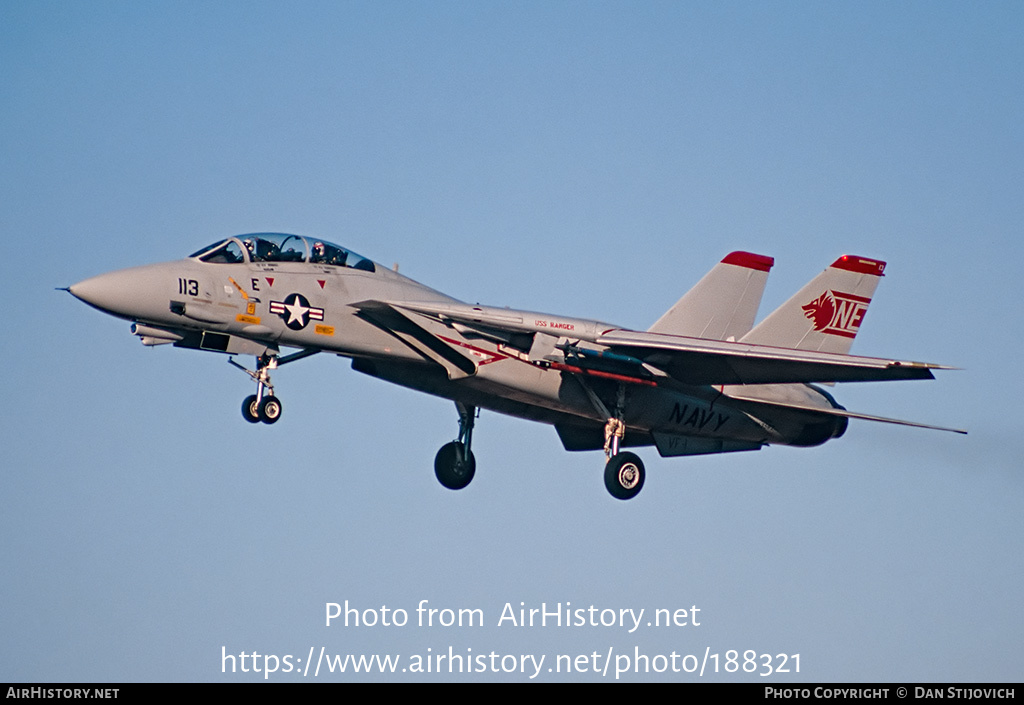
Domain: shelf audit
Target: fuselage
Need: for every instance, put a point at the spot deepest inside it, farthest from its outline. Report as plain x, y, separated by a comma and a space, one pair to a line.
256, 294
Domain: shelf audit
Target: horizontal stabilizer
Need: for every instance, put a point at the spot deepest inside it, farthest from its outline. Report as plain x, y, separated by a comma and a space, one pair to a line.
846, 414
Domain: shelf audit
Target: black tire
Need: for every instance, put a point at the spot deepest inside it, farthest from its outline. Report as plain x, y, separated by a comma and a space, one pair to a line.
624, 476
250, 409
453, 469
270, 409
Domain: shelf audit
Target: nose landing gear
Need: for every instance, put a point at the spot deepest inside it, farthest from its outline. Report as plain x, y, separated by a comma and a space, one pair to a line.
263, 405
266, 409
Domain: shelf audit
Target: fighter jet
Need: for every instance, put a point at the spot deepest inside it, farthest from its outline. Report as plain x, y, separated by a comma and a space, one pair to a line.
703, 379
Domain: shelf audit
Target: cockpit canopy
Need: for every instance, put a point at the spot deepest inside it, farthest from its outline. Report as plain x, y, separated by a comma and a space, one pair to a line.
280, 247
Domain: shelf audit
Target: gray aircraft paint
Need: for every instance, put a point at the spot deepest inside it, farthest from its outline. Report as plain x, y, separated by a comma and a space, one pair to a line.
684, 394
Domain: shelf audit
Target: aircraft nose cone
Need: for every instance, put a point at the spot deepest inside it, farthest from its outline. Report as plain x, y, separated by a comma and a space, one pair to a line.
111, 293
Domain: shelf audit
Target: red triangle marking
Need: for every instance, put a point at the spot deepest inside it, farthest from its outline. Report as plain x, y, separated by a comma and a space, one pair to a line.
270, 280
321, 282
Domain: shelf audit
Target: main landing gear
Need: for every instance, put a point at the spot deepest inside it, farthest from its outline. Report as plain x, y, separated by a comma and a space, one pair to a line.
263, 405
623, 472
454, 464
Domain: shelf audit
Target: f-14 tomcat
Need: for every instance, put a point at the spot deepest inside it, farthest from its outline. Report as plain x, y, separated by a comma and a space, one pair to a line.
703, 379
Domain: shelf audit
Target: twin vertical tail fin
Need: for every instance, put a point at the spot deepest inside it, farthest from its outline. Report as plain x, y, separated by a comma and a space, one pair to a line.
722, 305
826, 314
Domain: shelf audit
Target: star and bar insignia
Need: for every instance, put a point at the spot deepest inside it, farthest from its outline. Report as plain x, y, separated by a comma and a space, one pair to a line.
296, 311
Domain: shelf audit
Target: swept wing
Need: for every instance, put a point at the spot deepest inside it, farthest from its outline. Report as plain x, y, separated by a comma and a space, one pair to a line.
687, 360
697, 361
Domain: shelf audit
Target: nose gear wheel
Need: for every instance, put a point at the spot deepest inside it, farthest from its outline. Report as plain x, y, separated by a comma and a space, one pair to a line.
263, 405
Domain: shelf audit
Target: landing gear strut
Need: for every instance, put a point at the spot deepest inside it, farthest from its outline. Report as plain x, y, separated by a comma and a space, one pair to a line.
623, 472
263, 405
454, 464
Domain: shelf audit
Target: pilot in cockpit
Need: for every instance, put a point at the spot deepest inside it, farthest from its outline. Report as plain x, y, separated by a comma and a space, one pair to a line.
260, 250
327, 254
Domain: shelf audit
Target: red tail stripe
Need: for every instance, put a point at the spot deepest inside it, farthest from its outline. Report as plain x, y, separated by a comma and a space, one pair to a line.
860, 265
762, 263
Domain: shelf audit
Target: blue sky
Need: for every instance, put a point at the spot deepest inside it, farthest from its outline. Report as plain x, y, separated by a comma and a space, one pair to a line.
591, 159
